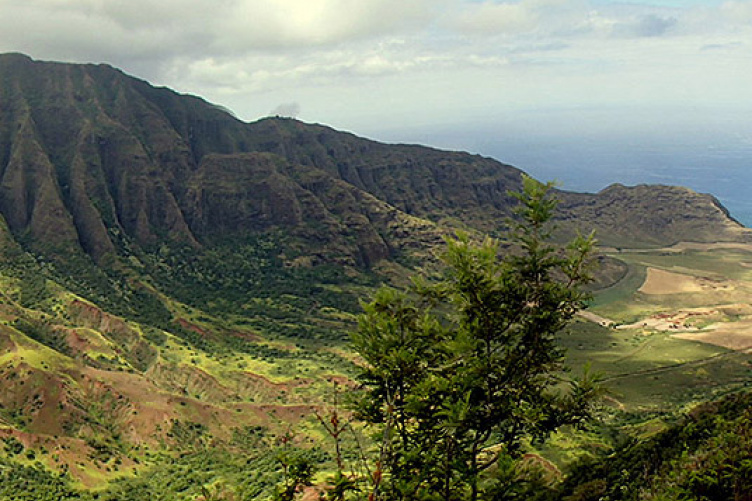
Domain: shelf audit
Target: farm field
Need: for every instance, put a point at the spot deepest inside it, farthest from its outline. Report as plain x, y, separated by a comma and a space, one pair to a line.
677, 327
673, 332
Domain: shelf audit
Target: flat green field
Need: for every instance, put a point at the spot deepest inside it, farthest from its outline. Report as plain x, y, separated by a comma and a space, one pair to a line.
643, 335
667, 294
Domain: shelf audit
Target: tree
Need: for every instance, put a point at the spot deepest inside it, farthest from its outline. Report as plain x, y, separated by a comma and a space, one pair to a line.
459, 372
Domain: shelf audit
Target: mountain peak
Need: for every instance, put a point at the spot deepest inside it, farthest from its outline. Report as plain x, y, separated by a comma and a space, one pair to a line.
87, 153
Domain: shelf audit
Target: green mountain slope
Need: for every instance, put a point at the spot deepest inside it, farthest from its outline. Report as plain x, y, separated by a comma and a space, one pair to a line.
705, 455
91, 156
173, 280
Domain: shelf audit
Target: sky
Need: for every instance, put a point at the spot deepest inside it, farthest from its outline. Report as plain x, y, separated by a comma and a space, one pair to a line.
578, 90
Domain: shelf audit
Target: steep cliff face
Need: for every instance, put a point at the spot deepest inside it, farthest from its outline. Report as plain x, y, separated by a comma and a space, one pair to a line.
415, 179
90, 157
238, 194
86, 155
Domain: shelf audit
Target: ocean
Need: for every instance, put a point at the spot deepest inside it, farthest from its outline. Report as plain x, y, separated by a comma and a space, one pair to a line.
723, 170
712, 157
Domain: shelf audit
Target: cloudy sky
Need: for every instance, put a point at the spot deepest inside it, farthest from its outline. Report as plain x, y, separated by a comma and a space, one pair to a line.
515, 79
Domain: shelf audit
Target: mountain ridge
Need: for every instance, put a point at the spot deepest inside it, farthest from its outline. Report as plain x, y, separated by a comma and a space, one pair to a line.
94, 151
172, 276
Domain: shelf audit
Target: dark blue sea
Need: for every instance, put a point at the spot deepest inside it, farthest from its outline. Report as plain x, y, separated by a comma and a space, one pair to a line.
723, 170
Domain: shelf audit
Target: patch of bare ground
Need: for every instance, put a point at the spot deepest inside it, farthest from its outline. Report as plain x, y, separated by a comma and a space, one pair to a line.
732, 335
681, 320
153, 407
192, 327
663, 282
595, 318
245, 335
735, 335
156, 409
681, 247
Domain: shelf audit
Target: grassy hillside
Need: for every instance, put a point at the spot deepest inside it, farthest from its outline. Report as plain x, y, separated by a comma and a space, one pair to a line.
100, 398
704, 455
177, 286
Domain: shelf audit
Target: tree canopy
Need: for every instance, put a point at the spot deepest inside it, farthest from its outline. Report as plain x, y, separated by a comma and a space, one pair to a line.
460, 371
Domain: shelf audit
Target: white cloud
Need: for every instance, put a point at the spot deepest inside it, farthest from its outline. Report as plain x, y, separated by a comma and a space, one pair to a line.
650, 25
291, 110
292, 22
738, 11
524, 16
355, 61
494, 18
142, 28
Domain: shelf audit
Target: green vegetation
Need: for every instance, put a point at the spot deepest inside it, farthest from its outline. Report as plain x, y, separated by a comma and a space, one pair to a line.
624, 289
177, 287
291, 337
704, 456
43, 332
460, 375
239, 276
34, 483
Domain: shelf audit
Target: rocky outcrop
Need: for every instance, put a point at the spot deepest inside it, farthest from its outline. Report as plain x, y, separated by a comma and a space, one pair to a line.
650, 215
